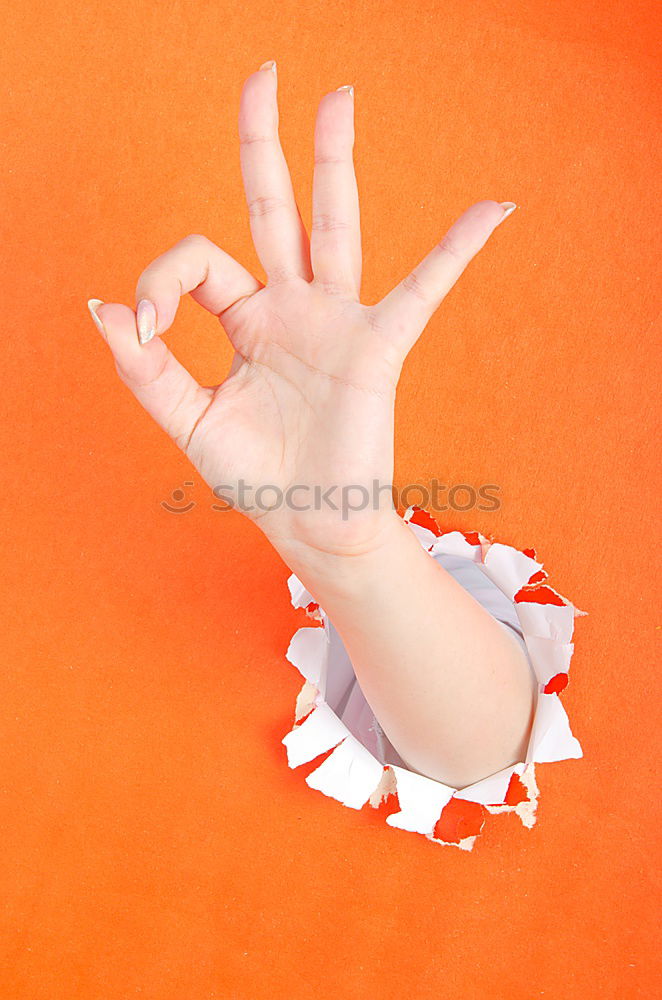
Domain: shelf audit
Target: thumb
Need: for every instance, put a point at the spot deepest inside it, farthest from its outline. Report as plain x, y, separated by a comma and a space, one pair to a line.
159, 382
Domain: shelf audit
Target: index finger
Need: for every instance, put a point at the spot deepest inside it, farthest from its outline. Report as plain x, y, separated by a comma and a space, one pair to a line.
215, 280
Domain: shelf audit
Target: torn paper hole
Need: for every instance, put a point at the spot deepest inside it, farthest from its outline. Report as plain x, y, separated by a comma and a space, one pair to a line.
332, 713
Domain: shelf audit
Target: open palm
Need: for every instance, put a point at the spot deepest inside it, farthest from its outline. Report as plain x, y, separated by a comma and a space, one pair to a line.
306, 410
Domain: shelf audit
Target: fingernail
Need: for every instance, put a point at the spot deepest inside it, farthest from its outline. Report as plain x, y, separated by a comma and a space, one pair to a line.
93, 305
271, 64
509, 207
349, 88
146, 316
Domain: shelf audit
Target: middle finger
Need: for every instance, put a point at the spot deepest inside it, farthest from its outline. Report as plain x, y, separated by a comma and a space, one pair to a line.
335, 242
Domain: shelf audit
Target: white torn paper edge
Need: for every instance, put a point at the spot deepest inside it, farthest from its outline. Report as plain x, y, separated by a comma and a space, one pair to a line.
363, 766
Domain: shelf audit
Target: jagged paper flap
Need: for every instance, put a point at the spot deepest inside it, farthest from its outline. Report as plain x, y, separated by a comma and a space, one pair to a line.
317, 734
549, 621
453, 543
551, 738
421, 801
493, 789
299, 596
509, 568
548, 656
308, 651
350, 774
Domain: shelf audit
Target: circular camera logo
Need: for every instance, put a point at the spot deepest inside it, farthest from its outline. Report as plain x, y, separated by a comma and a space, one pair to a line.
178, 505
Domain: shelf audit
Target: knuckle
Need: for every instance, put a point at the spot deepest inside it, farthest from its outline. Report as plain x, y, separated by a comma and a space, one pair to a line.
330, 287
328, 224
280, 274
248, 138
412, 284
264, 205
374, 321
324, 158
449, 245
341, 286
196, 240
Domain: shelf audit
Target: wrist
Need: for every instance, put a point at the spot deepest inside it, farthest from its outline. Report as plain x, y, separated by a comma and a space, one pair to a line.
331, 568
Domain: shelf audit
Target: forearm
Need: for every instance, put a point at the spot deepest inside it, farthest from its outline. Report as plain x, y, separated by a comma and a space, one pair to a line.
452, 690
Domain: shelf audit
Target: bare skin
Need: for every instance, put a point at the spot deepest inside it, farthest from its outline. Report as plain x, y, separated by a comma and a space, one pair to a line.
309, 402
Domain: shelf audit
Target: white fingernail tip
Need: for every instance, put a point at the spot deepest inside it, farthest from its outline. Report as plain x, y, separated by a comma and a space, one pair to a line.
509, 207
93, 305
146, 320
349, 88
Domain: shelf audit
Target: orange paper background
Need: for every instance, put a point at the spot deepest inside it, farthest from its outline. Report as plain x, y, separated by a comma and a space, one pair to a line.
154, 842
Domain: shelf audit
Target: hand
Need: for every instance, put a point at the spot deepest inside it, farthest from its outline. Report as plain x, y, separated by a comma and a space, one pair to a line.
309, 398
308, 403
